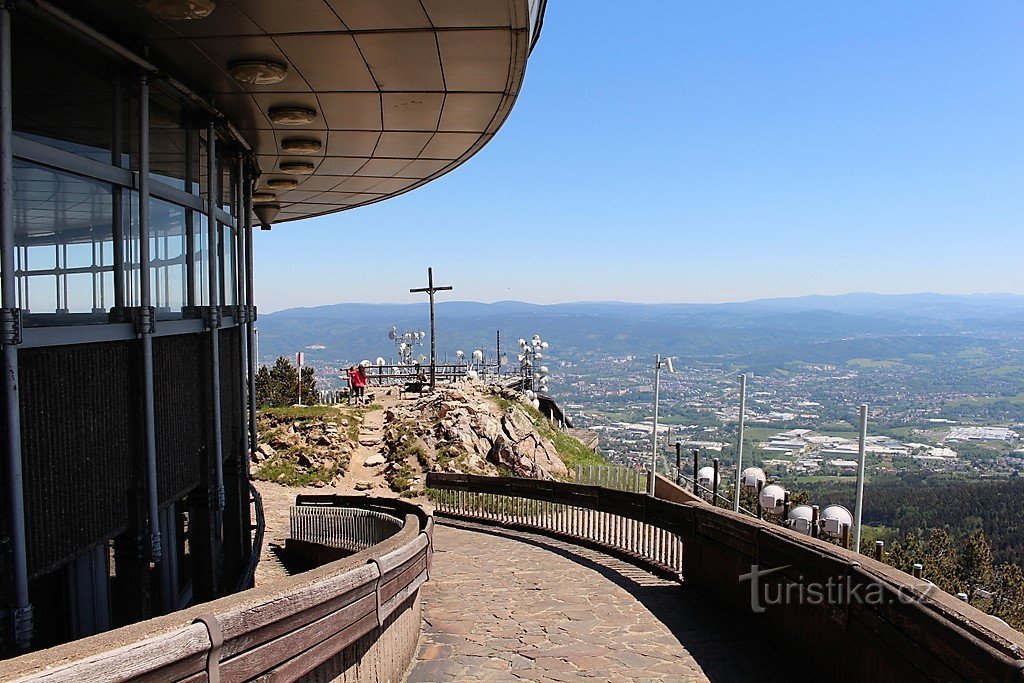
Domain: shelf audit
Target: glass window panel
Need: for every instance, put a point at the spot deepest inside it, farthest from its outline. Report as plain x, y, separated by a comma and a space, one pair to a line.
167, 258
63, 91
200, 260
228, 277
168, 142
63, 229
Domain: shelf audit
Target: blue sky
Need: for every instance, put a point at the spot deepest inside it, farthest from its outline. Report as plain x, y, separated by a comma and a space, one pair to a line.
713, 151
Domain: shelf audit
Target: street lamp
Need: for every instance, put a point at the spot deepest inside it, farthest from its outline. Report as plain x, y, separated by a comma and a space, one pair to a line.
659, 363
535, 375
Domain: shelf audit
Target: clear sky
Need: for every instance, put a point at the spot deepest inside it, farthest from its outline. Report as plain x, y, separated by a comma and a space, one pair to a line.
713, 151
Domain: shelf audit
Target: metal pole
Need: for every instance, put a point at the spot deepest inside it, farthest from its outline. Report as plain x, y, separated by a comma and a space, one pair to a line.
679, 463
859, 508
250, 325
15, 494
212, 202
117, 207
714, 482
696, 465
654, 434
146, 323
739, 444
433, 344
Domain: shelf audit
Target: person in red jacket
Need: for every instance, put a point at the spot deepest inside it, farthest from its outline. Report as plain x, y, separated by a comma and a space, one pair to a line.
359, 382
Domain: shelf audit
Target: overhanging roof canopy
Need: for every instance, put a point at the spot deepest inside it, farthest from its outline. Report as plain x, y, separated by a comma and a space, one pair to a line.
403, 90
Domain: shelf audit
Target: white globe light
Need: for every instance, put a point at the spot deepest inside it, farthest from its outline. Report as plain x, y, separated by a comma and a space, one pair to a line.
833, 518
544, 370
544, 345
752, 477
705, 475
773, 498
478, 355
521, 342
380, 361
799, 519
536, 337
460, 354
520, 358
365, 363
403, 346
538, 356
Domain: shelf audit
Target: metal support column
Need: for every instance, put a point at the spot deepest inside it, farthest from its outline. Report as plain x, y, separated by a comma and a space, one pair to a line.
146, 326
250, 322
117, 206
213, 322
10, 328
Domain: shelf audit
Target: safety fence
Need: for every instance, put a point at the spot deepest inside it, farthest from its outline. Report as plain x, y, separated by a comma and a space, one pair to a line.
612, 477
658, 549
335, 622
350, 529
841, 616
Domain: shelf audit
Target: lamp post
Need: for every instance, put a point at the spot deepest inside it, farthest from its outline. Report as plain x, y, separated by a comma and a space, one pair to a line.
659, 362
535, 375
739, 443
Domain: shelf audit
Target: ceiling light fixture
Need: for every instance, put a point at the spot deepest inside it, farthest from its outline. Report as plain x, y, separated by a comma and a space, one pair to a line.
178, 10
296, 167
282, 183
266, 213
263, 197
257, 71
300, 145
292, 116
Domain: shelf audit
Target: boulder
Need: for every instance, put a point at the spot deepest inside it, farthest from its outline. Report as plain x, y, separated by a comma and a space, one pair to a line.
375, 460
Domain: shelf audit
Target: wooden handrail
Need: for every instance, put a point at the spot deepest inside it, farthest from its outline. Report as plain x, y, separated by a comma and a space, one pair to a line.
914, 632
288, 627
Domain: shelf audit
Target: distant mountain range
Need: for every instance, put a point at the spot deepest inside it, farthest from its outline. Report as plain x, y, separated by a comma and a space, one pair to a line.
762, 333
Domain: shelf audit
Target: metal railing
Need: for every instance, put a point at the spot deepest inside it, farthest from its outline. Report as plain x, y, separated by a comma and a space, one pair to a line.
616, 477
351, 529
659, 549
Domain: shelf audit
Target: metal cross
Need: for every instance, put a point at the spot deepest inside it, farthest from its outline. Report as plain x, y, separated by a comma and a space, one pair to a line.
430, 289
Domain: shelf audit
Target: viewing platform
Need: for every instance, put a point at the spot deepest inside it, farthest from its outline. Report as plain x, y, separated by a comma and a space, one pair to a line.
521, 606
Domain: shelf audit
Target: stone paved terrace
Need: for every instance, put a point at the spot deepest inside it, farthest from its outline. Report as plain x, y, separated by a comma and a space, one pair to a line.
506, 606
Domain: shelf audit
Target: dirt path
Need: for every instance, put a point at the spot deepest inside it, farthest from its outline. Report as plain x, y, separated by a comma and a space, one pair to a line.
278, 498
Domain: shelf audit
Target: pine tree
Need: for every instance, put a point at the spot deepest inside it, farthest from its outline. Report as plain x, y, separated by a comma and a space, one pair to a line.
975, 564
309, 392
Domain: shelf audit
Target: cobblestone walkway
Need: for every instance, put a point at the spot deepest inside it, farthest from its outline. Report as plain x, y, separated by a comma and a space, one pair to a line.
506, 607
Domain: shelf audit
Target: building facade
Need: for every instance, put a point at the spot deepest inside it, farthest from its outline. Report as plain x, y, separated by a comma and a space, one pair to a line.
141, 143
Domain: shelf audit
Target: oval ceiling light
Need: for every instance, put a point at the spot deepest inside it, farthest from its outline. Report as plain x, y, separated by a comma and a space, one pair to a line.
263, 197
300, 145
296, 167
257, 71
282, 183
292, 116
178, 10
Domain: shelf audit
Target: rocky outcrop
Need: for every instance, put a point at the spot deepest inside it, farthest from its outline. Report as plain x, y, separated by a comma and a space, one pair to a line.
466, 428
307, 450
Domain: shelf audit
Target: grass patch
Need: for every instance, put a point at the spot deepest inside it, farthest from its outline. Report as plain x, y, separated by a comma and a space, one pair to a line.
283, 470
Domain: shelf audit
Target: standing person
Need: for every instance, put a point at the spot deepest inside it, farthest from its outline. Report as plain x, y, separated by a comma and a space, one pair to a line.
360, 381
353, 393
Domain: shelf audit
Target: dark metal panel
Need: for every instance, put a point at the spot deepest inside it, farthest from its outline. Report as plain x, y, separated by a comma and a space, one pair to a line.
182, 411
82, 433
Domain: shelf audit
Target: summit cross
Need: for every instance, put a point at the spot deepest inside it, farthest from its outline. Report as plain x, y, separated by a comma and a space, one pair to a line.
430, 289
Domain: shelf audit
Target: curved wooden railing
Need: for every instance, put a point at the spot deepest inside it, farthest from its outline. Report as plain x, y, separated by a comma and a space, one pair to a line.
280, 631
906, 631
